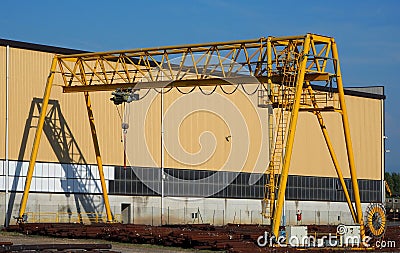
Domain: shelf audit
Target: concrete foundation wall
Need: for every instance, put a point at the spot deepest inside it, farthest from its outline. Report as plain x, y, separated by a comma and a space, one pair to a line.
146, 210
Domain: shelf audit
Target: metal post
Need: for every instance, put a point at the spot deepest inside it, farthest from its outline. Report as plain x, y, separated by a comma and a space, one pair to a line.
284, 211
162, 157
133, 214
315, 217
213, 218
152, 216
7, 164
349, 146
291, 134
383, 150
269, 67
98, 157
328, 216
36, 141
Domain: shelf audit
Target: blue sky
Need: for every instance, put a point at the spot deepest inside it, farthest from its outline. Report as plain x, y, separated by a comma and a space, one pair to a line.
367, 33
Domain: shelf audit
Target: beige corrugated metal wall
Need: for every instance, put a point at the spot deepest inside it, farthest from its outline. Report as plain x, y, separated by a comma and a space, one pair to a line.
216, 132
213, 132
311, 156
28, 74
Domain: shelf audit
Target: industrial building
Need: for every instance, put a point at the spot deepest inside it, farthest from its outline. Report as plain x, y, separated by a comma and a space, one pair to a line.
213, 146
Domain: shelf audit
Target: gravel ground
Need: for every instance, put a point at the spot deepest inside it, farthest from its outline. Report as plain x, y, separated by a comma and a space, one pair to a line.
17, 238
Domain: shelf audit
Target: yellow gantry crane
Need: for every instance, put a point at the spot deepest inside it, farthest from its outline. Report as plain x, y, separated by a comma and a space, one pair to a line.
388, 190
284, 66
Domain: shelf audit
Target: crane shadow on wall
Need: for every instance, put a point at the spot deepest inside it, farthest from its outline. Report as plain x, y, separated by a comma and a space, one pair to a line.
78, 176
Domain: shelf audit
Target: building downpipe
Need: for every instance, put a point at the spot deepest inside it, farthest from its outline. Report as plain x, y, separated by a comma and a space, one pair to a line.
7, 222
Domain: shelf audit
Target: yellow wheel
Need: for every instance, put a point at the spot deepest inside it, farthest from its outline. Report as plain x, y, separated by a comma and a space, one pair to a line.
376, 219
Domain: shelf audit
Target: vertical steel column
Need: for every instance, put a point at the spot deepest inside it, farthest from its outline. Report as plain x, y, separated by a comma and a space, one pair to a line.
291, 135
271, 145
269, 65
36, 141
98, 157
383, 151
349, 146
7, 162
162, 159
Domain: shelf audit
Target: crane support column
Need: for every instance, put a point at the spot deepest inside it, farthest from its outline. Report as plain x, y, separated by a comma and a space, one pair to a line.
36, 141
271, 176
290, 138
349, 147
332, 152
98, 157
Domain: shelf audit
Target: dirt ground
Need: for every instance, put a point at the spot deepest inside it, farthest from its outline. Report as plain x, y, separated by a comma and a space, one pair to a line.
231, 238
17, 238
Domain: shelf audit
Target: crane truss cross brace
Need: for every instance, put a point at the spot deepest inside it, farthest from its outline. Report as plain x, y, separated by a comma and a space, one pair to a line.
284, 66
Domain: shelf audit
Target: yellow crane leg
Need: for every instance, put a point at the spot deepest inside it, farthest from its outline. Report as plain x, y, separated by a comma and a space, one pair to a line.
336, 164
290, 139
332, 153
271, 187
269, 64
36, 141
349, 147
98, 157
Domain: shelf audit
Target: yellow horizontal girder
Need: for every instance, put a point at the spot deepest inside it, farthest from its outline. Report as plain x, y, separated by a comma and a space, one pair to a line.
219, 63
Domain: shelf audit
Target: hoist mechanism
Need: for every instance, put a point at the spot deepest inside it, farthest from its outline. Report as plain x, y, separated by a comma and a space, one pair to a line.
285, 68
123, 96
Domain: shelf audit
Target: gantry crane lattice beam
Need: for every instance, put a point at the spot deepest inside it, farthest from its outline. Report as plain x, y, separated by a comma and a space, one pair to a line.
284, 66
190, 65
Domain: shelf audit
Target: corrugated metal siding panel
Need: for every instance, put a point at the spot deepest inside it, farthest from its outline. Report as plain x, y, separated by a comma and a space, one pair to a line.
311, 156
108, 124
28, 74
366, 118
204, 123
196, 127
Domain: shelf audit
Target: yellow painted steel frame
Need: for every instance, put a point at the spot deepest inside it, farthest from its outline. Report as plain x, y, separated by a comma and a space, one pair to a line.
331, 151
290, 139
36, 143
272, 179
260, 58
276, 220
349, 146
98, 157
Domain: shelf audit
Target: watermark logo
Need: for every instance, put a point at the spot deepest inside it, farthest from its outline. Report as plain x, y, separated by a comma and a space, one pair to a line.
345, 236
269, 240
341, 229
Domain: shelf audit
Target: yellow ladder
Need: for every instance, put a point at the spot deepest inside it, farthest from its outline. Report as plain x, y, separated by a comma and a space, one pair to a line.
282, 97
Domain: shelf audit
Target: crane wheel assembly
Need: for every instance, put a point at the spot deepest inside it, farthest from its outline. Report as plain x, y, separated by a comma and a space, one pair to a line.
376, 220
